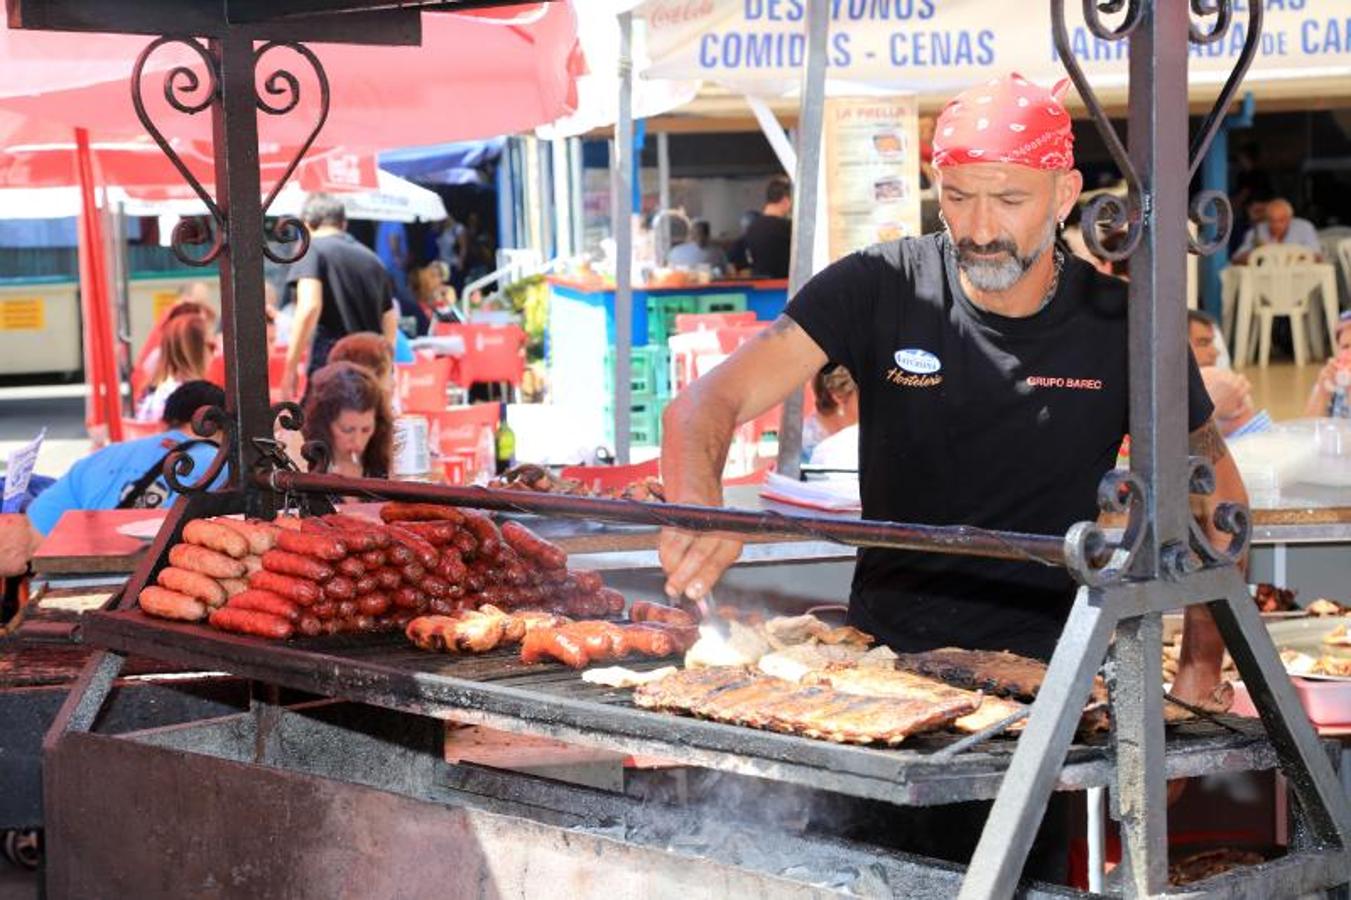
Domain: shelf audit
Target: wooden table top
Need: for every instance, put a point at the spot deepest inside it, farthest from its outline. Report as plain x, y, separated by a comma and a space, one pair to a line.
87, 542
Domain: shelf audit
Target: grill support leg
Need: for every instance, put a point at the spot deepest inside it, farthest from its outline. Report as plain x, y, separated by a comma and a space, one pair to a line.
1036, 764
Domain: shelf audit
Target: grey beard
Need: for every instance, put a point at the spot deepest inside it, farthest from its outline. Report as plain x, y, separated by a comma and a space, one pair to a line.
995, 277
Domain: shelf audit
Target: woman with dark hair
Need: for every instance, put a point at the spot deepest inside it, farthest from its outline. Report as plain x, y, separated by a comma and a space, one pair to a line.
348, 410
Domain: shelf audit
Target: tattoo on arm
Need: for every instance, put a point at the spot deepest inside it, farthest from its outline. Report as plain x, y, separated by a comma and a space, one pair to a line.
781, 325
1207, 442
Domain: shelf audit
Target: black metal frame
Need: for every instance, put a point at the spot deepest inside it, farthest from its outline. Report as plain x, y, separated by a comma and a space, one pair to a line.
1163, 562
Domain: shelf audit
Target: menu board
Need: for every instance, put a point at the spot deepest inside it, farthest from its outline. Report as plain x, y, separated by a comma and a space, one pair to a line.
872, 170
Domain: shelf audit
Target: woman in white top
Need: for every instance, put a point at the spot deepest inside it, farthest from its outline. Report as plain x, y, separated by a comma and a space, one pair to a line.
830, 438
186, 347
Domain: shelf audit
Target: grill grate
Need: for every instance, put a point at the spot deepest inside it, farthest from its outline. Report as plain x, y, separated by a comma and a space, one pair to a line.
498, 690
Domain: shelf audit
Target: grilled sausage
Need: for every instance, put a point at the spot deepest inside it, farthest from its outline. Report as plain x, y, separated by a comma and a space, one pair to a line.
419, 512
167, 604
532, 546
233, 586
647, 640
544, 644
646, 611
250, 621
310, 626
261, 536
438, 534
193, 584
373, 605
486, 533
388, 579
297, 590
322, 546
214, 536
586, 580
466, 544
267, 602
287, 563
424, 550
206, 562
340, 587
613, 600
352, 567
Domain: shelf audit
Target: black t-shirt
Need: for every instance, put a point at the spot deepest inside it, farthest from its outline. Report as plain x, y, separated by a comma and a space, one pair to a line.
967, 417
768, 241
357, 291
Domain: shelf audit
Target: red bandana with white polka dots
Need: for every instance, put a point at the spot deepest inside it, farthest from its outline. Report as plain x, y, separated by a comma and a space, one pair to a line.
1006, 120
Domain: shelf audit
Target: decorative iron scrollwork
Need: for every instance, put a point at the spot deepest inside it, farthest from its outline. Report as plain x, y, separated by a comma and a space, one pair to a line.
292, 418
1230, 518
1114, 212
317, 454
1223, 10
1089, 555
206, 422
280, 95
181, 85
288, 415
1212, 207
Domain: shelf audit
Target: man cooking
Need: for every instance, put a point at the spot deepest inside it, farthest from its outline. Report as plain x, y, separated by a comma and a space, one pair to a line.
992, 374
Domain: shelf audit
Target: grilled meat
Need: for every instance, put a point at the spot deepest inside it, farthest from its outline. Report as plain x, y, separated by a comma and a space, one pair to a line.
785, 631
477, 631
1000, 673
578, 644
737, 696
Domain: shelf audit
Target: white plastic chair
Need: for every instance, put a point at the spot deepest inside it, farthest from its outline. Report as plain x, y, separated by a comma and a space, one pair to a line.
1282, 286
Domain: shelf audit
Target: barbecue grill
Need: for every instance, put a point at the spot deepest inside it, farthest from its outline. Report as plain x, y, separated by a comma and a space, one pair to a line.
306, 774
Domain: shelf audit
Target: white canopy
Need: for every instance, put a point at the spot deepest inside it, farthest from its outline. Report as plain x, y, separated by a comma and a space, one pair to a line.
396, 200
934, 49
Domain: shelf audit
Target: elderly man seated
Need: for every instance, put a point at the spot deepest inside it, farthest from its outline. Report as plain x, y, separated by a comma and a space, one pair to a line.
1280, 226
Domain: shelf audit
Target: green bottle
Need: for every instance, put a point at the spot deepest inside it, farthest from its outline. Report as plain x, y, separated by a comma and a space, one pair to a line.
506, 442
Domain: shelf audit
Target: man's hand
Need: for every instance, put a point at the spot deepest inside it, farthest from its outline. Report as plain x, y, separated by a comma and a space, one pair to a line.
1229, 391
695, 562
18, 542
697, 428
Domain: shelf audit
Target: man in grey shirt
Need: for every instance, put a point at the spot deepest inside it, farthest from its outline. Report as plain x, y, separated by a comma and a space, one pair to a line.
698, 251
1280, 227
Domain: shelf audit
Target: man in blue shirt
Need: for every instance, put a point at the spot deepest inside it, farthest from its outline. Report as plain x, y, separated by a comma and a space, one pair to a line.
127, 475
1282, 226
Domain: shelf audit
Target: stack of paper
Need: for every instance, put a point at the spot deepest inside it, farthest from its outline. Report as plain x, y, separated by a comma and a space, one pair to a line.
836, 495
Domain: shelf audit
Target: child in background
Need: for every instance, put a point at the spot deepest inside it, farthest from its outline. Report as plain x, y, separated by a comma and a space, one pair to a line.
1331, 395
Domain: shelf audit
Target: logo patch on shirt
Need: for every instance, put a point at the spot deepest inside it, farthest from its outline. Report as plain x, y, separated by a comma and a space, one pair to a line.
917, 361
915, 368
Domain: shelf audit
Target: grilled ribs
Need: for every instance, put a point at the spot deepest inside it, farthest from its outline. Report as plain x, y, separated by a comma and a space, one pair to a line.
737, 696
1000, 673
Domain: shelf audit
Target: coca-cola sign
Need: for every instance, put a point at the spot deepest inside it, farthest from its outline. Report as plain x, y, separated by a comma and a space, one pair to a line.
677, 12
